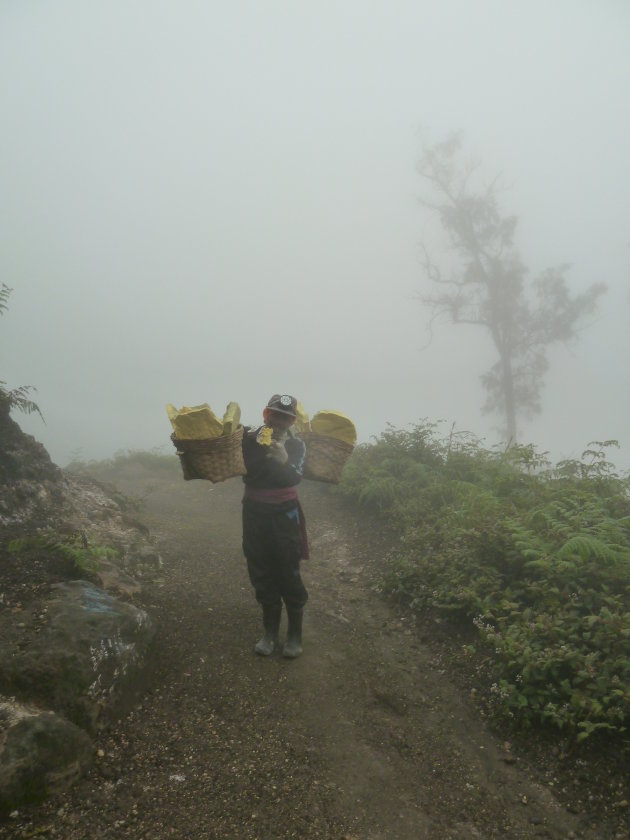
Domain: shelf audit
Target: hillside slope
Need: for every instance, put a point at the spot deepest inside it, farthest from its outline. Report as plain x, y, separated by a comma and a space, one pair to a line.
365, 736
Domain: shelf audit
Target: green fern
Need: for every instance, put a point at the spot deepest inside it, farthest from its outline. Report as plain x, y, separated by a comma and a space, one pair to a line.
5, 291
585, 546
74, 548
17, 397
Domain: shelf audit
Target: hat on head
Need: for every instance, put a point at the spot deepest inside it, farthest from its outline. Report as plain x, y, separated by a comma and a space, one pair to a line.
284, 404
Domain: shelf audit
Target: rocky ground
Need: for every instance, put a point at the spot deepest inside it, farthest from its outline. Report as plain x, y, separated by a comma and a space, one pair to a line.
373, 733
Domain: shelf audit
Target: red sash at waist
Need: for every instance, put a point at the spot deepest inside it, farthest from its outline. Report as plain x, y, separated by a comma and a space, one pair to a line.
272, 496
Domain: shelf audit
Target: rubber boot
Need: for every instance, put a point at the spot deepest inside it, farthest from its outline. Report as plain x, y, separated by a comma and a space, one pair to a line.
271, 623
293, 646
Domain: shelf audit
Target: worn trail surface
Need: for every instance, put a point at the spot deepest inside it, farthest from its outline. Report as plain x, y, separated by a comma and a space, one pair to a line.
362, 737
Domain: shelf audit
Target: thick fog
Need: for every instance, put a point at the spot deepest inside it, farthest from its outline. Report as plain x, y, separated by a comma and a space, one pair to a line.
208, 201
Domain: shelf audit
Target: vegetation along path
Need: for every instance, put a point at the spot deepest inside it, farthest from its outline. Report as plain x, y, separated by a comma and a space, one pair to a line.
365, 736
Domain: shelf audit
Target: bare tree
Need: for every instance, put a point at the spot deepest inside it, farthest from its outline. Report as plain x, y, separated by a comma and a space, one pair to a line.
488, 287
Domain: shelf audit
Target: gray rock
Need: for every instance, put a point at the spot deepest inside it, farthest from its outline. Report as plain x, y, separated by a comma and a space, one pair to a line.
40, 753
87, 657
89, 510
29, 481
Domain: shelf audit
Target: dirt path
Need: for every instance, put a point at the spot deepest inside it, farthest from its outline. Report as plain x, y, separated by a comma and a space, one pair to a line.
362, 737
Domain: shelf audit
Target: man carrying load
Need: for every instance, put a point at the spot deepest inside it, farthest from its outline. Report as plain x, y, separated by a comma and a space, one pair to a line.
274, 532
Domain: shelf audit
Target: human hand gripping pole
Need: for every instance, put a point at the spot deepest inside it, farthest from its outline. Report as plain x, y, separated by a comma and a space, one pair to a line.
278, 452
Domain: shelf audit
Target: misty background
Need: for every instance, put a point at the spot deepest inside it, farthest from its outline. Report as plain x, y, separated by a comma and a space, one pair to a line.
210, 201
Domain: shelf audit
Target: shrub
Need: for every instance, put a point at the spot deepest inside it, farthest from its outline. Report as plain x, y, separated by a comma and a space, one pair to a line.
152, 461
537, 557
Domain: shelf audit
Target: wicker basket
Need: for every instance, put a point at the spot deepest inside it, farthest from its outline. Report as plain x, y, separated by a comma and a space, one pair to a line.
213, 459
325, 457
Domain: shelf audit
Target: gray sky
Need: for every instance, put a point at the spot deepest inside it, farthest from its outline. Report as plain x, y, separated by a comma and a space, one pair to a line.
209, 201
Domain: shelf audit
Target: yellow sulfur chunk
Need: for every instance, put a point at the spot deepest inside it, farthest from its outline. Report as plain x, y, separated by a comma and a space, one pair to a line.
231, 418
302, 423
264, 436
334, 424
197, 422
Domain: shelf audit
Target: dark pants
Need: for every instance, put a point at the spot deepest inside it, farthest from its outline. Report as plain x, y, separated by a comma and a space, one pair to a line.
272, 544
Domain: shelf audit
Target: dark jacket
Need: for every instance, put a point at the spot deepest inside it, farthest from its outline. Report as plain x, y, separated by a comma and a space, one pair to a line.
266, 472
